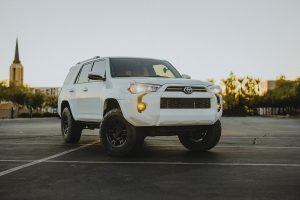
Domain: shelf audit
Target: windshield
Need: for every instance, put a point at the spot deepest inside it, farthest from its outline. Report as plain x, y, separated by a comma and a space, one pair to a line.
141, 67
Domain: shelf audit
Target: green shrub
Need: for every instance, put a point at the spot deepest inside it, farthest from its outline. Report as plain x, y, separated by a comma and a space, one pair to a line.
38, 115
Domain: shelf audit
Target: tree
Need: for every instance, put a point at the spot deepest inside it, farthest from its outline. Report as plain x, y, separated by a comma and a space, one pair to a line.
3, 91
249, 87
284, 99
51, 101
36, 100
232, 96
17, 95
212, 80
239, 94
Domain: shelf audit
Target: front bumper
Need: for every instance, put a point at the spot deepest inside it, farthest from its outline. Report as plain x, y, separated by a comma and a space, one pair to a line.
153, 115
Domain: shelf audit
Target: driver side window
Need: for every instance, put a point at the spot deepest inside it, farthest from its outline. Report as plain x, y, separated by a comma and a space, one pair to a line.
99, 68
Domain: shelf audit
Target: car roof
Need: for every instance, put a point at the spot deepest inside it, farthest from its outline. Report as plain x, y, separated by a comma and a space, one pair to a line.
108, 57
133, 57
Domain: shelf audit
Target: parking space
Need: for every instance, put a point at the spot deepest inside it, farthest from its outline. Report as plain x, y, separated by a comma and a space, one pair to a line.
257, 158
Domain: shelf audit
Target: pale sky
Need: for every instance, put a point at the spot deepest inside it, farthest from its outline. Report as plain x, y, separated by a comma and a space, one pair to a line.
205, 39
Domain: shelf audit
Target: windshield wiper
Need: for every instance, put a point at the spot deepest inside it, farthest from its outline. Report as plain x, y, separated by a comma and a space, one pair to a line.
123, 76
142, 76
157, 76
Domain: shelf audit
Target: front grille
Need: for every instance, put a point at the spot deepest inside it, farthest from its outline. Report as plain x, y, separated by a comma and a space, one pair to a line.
180, 89
184, 103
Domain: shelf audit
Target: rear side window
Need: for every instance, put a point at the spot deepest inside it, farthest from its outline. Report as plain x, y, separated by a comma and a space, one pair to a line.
69, 76
83, 74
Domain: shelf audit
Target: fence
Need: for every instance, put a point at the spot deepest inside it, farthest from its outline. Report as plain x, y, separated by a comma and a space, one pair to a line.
273, 111
7, 113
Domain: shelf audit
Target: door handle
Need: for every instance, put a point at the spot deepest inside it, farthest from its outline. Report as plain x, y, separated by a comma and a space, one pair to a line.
71, 90
85, 89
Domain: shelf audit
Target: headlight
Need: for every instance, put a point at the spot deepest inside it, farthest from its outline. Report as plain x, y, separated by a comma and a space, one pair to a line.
136, 88
216, 89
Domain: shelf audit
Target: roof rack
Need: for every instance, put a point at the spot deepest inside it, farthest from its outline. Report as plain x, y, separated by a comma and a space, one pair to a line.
88, 59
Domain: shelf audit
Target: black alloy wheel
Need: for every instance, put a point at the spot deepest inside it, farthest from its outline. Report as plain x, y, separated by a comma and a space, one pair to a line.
118, 136
117, 133
70, 129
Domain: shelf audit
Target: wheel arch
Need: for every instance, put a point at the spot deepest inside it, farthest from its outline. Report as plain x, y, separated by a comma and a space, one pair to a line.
64, 104
109, 104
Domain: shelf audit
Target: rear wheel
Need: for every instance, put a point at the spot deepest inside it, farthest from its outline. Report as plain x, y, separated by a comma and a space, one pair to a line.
118, 136
70, 129
203, 140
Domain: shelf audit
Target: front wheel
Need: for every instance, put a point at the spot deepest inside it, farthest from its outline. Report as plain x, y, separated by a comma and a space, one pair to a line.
204, 140
119, 137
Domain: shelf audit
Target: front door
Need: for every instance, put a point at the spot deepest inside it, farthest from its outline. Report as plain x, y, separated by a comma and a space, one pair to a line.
88, 92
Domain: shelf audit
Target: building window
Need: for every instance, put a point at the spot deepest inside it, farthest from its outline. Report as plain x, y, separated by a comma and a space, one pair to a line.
14, 74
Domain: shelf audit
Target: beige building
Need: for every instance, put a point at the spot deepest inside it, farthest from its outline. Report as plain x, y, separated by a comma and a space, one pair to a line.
49, 91
267, 85
16, 71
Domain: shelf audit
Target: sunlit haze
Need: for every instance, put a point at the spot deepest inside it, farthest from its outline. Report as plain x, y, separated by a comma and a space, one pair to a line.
205, 39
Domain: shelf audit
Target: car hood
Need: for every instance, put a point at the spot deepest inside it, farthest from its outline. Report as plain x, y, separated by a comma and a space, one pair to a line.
163, 81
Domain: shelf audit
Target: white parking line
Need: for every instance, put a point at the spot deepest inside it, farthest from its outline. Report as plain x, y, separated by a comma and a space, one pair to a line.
178, 163
230, 146
165, 163
39, 143
260, 147
44, 159
16, 160
157, 145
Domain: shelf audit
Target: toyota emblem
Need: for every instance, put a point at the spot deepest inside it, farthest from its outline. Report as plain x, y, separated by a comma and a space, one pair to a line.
187, 90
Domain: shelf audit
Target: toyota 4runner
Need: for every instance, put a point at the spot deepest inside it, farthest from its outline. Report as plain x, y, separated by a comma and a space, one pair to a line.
131, 98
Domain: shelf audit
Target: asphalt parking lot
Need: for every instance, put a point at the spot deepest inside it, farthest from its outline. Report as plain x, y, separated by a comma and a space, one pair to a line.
257, 158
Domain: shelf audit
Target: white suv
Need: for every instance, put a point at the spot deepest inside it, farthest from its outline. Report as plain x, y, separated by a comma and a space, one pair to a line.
131, 98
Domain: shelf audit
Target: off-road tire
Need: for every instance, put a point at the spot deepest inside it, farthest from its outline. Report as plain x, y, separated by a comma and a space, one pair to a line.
70, 129
133, 142
209, 140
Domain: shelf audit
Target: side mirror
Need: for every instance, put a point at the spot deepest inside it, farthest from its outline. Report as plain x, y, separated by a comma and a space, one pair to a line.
186, 76
96, 77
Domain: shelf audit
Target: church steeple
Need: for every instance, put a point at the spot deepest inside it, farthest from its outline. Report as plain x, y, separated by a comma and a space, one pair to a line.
16, 69
17, 59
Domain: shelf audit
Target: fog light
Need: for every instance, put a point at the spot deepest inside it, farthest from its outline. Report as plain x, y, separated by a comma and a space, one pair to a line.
141, 106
